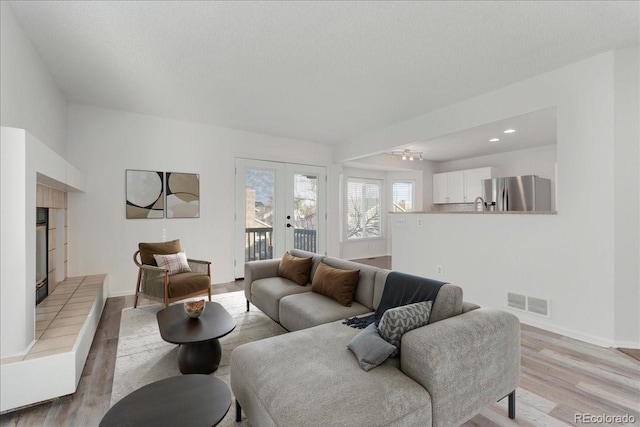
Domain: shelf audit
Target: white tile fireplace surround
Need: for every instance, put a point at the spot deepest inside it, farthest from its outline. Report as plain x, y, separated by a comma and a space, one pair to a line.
24, 162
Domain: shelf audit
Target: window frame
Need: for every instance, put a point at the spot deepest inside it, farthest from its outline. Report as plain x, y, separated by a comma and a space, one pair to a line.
413, 194
381, 223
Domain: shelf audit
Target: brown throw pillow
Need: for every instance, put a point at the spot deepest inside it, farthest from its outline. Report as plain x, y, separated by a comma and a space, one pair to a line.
147, 250
295, 268
335, 283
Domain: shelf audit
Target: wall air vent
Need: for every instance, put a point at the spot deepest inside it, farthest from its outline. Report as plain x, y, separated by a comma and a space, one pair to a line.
525, 303
538, 306
517, 301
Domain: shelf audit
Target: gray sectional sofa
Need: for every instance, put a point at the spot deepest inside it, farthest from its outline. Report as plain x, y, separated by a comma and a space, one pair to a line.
448, 371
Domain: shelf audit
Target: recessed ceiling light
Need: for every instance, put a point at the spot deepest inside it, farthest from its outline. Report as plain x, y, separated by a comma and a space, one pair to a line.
494, 140
509, 131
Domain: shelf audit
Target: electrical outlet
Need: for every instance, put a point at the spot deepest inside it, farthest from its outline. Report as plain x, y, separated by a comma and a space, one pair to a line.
399, 222
439, 270
419, 223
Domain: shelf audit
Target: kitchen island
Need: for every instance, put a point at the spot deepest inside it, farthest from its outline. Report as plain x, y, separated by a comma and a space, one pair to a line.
537, 255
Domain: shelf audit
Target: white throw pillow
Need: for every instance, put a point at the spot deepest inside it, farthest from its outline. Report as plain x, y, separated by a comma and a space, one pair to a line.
175, 263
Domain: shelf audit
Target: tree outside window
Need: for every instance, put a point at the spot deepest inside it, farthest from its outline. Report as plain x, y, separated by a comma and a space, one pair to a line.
363, 208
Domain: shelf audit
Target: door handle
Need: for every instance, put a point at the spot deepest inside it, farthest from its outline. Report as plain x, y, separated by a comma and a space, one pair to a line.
288, 225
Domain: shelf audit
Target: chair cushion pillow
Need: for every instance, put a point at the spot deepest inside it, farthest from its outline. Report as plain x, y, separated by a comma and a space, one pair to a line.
396, 321
147, 250
295, 268
370, 348
174, 263
335, 283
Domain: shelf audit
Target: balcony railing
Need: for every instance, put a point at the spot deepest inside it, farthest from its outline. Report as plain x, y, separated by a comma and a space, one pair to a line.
259, 242
304, 239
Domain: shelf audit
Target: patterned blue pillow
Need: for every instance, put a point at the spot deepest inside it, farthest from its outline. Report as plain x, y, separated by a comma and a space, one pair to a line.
398, 320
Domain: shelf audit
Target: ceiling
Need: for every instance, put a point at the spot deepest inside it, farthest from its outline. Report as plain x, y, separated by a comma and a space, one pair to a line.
320, 71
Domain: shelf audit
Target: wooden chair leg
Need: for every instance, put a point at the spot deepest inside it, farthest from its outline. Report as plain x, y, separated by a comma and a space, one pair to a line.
166, 289
135, 301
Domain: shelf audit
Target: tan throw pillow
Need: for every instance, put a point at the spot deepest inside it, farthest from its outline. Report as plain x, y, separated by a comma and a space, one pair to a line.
147, 250
174, 263
335, 283
295, 268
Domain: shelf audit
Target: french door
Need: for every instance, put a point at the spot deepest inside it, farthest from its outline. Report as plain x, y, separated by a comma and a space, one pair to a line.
279, 206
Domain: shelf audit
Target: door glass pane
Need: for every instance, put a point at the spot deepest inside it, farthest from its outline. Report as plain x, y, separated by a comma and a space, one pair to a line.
305, 212
259, 205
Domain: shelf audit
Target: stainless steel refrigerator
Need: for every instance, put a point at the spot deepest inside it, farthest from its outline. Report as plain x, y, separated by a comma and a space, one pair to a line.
517, 193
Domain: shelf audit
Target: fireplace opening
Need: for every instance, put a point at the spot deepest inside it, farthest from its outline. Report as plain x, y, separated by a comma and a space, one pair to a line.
42, 248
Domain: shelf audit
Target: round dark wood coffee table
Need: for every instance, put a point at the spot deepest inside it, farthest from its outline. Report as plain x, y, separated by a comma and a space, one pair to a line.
186, 400
200, 350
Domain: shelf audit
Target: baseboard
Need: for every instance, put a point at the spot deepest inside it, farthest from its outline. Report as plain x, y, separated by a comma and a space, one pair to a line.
628, 344
580, 336
120, 294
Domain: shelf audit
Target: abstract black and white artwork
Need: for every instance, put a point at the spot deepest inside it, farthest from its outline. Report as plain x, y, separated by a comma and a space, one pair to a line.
145, 194
183, 195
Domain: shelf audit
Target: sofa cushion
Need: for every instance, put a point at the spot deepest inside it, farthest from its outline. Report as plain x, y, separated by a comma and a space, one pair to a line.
266, 294
163, 248
366, 282
319, 383
301, 311
398, 320
370, 348
295, 269
335, 283
173, 263
317, 258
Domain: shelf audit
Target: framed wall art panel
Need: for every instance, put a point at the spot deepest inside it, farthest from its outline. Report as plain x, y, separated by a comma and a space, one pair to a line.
145, 194
183, 195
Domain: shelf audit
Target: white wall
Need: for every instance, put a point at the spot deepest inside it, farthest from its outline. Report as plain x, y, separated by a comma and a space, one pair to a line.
570, 257
104, 143
627, 203
29, 97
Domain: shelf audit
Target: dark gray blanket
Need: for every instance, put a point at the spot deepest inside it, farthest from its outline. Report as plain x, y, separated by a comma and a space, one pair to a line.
399, 289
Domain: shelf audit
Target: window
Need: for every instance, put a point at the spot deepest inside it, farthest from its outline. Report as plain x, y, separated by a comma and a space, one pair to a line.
363, 208
402, 196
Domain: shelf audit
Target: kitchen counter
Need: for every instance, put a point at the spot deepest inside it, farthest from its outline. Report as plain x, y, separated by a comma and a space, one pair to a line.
481, 212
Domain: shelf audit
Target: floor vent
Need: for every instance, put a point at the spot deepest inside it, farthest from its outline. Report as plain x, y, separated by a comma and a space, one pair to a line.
525, 303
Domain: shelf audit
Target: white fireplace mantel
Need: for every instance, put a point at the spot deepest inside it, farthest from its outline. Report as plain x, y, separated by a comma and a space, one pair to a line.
24, 162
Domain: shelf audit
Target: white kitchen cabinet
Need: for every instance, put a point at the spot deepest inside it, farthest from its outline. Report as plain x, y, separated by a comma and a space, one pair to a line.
461, 186
440, 188
448, 187
473, 183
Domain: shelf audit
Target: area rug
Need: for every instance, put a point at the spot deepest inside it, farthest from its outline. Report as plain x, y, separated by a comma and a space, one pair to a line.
143, 357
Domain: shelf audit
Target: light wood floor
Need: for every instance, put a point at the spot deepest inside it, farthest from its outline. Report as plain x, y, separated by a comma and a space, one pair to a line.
561, 377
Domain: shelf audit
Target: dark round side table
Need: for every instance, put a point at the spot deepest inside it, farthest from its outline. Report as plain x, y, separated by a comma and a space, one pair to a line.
200, 350
186, 400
